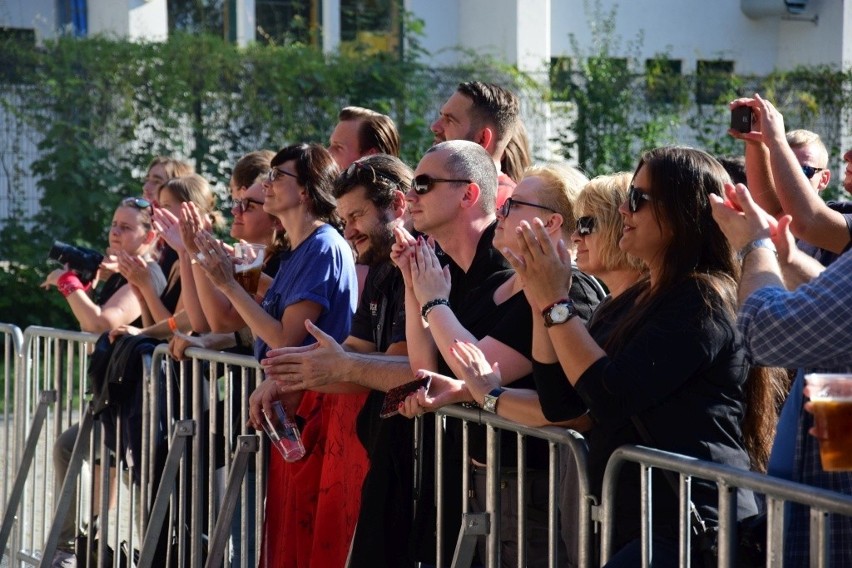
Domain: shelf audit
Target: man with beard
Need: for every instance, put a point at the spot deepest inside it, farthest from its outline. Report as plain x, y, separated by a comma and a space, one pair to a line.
488, 115
371, 202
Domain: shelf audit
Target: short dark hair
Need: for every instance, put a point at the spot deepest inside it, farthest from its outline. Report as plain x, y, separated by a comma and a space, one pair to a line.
174, 168
377, 131
251, 166
380, 175
316, 171
494, 105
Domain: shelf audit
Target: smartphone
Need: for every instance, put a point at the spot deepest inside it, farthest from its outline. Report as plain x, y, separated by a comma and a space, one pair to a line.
397, 395
741, 118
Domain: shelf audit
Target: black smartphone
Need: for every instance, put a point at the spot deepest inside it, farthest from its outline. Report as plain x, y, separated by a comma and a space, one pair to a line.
396, 395
741, 118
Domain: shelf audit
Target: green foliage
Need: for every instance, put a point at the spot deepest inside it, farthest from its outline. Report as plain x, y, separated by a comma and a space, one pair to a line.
102, 108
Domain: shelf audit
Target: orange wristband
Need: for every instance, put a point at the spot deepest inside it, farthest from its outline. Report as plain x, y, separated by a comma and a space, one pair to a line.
172, 324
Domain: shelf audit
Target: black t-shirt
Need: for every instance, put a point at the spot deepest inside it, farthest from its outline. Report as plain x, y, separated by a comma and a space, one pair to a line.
826, 257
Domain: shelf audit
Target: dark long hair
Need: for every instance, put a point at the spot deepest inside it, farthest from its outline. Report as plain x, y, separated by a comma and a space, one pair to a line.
681, 180
316, 171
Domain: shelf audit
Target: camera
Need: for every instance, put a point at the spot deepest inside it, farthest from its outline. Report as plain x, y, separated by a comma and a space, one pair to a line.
741, 118
85, 262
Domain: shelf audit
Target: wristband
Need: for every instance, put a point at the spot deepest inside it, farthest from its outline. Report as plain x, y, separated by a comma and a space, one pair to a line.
432, 304
756, 244
172, 324
69, 283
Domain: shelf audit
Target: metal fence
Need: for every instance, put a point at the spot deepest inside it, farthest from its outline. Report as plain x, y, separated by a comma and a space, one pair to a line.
196, 496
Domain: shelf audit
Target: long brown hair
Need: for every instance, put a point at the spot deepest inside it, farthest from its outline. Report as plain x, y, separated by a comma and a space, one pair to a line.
681, 179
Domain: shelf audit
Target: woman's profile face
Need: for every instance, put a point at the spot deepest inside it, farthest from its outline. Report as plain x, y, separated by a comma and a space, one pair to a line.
588, 242
170, 202
251, 222
523, 205
127, 233
644, 235
154, 180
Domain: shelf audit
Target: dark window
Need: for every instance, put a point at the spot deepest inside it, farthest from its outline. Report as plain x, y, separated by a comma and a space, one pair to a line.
72, 17
713, 81
288, 21
370, 24
13, 41
663, 80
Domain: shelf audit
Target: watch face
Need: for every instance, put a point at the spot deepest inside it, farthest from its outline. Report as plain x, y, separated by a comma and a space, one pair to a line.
490, 403
559, 313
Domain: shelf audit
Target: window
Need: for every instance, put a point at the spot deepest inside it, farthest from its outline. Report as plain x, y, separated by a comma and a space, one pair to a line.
72, 17
663, 80
373, 25
288, 21
713, 81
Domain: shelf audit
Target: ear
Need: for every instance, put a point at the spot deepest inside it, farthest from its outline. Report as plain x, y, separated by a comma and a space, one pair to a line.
471, 195
824, 178
150, 237
486, 138
370, 152
553, 223
399, 205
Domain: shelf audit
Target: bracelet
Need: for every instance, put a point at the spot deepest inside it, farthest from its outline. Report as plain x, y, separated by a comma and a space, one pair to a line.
754, 245
172, 324
432, 304
69, 283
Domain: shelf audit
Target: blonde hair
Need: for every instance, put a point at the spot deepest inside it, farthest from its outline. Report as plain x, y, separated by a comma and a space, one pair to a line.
195, 188
561, 184
600, 199
801, 138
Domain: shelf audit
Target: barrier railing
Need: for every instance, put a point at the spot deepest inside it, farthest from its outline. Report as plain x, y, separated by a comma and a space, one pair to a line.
211, 485
488, 524
727, 479
13, 344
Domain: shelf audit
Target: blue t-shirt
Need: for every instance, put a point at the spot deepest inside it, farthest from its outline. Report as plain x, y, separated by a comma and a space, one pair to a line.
320, 270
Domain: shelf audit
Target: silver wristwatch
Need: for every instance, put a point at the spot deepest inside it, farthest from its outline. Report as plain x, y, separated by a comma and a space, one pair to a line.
489, 404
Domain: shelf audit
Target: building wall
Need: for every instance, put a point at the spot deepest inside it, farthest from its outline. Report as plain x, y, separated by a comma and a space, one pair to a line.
39, 15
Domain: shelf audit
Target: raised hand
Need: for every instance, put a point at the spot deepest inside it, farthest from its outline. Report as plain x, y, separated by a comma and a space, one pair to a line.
545, 269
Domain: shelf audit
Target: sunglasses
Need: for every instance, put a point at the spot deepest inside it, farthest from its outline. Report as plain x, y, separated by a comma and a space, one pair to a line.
357, 168
242, 205
635, 197
585, 226
275, 174
810, 171
507, 206
138, 203
423, 183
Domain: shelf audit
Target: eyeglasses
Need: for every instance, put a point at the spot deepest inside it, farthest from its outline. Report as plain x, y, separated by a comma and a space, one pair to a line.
242, 205
423, 183
353, 171
810, 171
138, 203
275, 173
635, 197
507, 206
585, 226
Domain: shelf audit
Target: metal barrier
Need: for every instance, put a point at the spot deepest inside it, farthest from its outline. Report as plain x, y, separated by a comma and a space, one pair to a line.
727, 479
488, 524
13, 344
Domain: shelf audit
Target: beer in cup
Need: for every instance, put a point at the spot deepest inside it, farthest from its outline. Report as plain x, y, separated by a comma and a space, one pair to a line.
831, 396
248, 262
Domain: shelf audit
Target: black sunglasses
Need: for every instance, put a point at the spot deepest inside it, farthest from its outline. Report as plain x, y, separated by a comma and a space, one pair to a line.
585, 226
242, 205
138, 203
423, 183
507, 206
635, 197
810, 171
275, 173
357, 167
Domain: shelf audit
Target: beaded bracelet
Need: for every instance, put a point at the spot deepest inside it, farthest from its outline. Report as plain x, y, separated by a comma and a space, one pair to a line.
432, 304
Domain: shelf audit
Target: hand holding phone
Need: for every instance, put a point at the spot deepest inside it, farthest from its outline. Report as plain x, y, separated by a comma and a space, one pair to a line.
741, 118
395, 396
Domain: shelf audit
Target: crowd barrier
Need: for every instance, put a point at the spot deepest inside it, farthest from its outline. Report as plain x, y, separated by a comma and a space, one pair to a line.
202, 476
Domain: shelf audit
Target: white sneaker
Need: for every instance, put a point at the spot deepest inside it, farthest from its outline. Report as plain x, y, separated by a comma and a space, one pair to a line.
64, 559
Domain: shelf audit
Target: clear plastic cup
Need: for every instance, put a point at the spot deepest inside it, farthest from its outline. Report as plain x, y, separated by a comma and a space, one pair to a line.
248, 263
831, 396
283, 433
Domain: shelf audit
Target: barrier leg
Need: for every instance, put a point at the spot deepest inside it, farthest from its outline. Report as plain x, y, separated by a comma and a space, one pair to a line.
473, 526
247, 446
68, 487
45, 399
183, 430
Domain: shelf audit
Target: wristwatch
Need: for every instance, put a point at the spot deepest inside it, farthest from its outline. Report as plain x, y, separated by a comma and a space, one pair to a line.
489, 404
558, 312
756, 244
